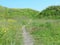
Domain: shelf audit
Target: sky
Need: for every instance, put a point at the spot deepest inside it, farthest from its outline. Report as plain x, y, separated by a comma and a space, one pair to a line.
33, 4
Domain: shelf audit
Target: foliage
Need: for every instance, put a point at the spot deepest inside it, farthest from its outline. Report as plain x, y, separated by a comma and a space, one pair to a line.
45, 32
13, 13
10, 32
52, 12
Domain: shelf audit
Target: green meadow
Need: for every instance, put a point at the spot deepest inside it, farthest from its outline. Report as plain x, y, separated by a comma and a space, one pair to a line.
45, 32
44, 26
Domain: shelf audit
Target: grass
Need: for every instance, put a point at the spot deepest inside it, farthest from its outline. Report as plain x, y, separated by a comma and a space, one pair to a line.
45, 32
10, 32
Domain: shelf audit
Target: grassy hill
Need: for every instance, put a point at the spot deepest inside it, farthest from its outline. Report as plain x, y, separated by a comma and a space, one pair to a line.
11, 21
44, 26
52, 12
12, 12
45, 30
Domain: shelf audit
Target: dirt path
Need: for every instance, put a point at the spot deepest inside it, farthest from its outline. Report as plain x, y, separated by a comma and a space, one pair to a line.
26, 37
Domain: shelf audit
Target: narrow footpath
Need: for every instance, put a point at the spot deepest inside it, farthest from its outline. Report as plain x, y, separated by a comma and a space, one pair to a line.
26, 36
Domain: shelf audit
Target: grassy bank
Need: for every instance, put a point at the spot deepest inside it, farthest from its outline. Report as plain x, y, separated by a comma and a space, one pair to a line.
45, 32
10, 32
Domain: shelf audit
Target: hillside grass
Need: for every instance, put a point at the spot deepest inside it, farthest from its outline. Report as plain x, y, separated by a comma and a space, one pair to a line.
45, 32
44, 26
10, 32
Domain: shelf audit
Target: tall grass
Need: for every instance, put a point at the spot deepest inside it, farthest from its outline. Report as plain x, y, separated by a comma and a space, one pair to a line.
10, 32
45, 32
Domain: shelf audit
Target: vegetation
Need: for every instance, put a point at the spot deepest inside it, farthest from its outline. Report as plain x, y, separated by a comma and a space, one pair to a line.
45, 32
10, 32
19, 13
52, 12
44, 26
11, 21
